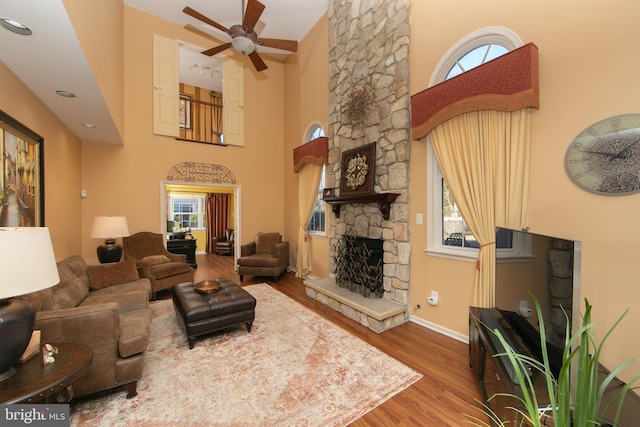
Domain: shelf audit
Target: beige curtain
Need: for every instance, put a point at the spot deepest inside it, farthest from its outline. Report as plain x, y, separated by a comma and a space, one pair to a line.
308, 181
484, 157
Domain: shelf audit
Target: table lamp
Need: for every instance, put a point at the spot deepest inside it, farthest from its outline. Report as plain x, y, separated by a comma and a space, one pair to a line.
28, 265
108, 228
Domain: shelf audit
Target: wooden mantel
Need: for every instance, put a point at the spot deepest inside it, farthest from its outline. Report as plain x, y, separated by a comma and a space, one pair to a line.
383, 200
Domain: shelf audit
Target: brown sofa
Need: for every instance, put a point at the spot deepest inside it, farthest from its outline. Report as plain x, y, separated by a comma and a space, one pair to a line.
105, 307
163, 268
267, 255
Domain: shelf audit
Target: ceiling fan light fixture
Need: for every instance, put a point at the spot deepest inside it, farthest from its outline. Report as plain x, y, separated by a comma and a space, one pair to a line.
243, 44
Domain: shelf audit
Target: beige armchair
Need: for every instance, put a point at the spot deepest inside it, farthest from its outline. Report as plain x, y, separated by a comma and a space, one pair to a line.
163, 268
268, 255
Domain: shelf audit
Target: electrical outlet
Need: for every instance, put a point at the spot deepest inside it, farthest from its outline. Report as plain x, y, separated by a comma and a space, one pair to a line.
433, 299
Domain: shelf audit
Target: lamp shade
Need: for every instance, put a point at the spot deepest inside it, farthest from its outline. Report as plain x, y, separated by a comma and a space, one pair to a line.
106, 227
27, 261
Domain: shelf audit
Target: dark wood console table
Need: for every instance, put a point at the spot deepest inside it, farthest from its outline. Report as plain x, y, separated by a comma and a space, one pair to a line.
494, 379
383, 200
186, 247
34, 382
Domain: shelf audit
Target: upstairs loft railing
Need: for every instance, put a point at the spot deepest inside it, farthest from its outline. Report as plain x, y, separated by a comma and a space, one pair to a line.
200, 121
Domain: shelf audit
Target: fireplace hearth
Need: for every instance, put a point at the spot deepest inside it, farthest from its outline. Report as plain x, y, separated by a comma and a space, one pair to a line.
359, 265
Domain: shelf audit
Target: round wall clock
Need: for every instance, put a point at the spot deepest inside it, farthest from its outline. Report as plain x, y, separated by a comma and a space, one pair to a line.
605, 157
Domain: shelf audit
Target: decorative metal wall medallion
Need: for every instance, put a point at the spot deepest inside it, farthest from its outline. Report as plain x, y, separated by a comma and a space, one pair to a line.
201, 172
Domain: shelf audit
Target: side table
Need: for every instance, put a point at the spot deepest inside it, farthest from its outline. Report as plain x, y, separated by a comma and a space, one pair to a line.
34, 382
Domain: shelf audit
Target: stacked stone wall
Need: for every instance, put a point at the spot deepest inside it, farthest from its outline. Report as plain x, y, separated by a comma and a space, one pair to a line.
369, 53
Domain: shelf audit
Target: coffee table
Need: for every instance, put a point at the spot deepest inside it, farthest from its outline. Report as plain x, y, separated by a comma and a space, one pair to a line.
34, 382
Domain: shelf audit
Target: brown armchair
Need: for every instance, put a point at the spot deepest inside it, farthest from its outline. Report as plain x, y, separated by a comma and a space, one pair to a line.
163, 268
223, 245
268, 255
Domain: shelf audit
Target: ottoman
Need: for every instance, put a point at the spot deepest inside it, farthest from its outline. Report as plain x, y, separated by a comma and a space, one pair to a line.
202, 313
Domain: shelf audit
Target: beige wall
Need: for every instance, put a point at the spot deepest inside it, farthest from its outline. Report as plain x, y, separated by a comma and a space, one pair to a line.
587, 73
61, 162
105, 55
307, 102
126, 180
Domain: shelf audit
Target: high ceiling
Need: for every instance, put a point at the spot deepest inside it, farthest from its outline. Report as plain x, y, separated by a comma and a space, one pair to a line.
55, 60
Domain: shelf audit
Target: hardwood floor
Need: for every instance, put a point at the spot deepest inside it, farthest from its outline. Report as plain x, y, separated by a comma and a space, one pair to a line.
445, 396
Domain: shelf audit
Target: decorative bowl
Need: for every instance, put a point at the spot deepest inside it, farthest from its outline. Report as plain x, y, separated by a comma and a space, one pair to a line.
207, 286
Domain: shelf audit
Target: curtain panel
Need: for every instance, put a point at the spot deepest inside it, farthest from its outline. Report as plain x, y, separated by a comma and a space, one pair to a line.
308, 180
217, 213
484, 157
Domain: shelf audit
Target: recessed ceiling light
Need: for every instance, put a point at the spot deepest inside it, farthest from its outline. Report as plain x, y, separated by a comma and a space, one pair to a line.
88, 125
15, 26
66, 94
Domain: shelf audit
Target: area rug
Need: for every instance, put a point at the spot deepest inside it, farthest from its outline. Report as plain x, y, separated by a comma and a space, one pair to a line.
294, 369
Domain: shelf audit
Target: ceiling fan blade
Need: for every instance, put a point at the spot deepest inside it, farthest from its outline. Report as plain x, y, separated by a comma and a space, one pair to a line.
217, 49
199, 32
252, 14
206, 20
257, 61
290, 45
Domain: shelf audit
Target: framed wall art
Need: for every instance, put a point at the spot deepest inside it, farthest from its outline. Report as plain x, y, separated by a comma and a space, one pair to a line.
358, 170
21, 175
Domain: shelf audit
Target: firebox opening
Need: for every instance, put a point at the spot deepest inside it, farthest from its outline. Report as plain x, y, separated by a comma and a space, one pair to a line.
359, 265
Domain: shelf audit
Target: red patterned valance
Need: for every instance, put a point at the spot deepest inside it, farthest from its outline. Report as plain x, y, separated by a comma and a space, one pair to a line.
315, 152
508, 83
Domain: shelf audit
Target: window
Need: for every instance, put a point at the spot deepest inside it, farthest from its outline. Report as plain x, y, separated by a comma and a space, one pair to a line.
318, 217
187, 210
448, 233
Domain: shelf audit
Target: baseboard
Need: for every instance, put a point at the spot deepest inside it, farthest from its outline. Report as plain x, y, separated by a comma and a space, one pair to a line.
440, 329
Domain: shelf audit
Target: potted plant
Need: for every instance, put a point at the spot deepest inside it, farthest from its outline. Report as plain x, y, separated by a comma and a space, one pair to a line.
585, 407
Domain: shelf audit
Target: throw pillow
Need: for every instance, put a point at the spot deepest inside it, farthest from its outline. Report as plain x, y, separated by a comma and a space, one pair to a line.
152, 260
102, 276
77, 265
70, 291
265, 242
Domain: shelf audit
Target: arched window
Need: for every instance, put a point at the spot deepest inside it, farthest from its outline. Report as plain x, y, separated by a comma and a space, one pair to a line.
317, 222
448, 234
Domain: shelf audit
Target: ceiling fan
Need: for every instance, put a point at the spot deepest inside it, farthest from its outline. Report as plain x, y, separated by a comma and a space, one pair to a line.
243, 36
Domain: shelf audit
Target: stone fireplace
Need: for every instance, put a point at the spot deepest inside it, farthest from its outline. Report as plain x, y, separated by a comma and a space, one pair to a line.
369, 102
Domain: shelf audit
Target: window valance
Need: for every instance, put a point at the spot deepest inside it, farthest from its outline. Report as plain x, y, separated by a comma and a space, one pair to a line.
508, 83
315, 152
